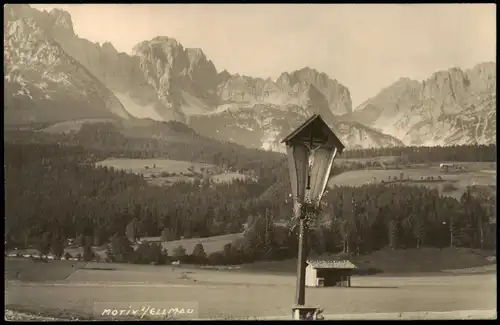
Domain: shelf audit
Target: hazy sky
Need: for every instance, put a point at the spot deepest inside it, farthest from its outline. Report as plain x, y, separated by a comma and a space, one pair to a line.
364, 47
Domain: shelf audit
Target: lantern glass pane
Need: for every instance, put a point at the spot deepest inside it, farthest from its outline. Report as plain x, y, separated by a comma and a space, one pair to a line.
323, 161
298, 158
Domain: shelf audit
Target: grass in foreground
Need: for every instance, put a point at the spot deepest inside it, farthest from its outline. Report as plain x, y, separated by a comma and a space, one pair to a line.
24, 269
404, 261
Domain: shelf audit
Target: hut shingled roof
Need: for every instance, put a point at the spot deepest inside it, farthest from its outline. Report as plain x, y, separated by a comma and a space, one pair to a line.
331, 264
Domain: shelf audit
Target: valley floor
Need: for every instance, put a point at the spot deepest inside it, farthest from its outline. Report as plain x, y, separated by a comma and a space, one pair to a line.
219, 294
448, 184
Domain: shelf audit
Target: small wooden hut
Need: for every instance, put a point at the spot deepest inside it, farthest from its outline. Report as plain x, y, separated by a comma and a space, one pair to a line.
329, 273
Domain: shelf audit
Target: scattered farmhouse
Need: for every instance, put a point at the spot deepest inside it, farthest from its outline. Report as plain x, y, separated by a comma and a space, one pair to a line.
445, 167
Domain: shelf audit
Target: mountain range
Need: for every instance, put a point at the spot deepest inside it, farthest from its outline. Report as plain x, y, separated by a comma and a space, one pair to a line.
54, 76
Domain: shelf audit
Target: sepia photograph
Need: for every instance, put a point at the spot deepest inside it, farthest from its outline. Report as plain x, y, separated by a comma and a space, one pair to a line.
250, 162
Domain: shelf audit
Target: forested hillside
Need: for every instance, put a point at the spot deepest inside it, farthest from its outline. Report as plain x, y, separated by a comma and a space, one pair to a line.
106, 140
483, 153
56, 191
69, 196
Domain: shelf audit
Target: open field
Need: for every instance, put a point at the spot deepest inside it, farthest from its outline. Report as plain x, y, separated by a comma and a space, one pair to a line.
28, 270
383, 262
11, 315
381, 159
391, 161
228, 177
166, 171
418, 177
74, 126
210, 245
401, 262
73, 251
241, 295
154, 166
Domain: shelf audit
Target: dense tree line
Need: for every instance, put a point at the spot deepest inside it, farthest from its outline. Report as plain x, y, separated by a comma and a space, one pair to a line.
415, 155
105, 140
67, 199
362, 220
368, 218
54, 192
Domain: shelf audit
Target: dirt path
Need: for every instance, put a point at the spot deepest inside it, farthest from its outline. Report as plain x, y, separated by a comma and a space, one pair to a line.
259, 297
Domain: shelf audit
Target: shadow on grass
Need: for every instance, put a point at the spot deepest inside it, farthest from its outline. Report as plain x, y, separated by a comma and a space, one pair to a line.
101, 269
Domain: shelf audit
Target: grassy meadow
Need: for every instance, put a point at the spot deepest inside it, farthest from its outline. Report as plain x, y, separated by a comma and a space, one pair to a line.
234, 294
24, 269
210, 245
411, 280
407, 262
73, 126
447, 183
166, 171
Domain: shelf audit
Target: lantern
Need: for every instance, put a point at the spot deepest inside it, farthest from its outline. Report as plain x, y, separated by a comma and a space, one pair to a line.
311, 150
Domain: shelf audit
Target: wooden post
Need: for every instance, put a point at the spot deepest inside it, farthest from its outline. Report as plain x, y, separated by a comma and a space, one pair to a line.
451, 232
301, 266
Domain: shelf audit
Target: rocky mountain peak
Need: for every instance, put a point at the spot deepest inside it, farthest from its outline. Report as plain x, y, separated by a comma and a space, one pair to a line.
452, 106
47, 63
43, 82
223, 76
178, 75
403, 82
197, 59
160, 48
402, 85
284, 80
109, 49
62, 19
310, 75
12, 10
55, 22
196, 53
487, 68
318, 104
167, 44
483, 77
448, 88
169, 51
183, 80
404, 94
337, 95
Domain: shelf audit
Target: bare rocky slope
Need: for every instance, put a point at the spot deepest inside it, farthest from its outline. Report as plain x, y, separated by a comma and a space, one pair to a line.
52, 74
450, 107
44, 83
